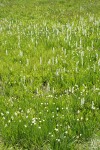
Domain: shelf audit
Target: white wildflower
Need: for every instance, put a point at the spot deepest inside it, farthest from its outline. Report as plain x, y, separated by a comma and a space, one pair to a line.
82, 101
2, 114
25, 126
6, 125
56, 129
7, 112
39, 127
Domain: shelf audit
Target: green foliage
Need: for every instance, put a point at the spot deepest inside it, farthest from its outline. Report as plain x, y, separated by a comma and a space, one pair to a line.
49, 73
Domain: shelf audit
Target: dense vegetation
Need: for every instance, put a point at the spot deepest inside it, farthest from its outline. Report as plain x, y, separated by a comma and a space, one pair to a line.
49, 74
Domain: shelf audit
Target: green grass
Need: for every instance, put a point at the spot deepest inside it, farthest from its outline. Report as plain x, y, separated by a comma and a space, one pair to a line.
49, 74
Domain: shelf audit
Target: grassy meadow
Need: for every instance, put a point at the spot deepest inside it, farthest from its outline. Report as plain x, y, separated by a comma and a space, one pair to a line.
49, 75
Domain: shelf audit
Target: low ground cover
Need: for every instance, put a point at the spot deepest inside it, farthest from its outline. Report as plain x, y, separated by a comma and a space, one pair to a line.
49, 74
